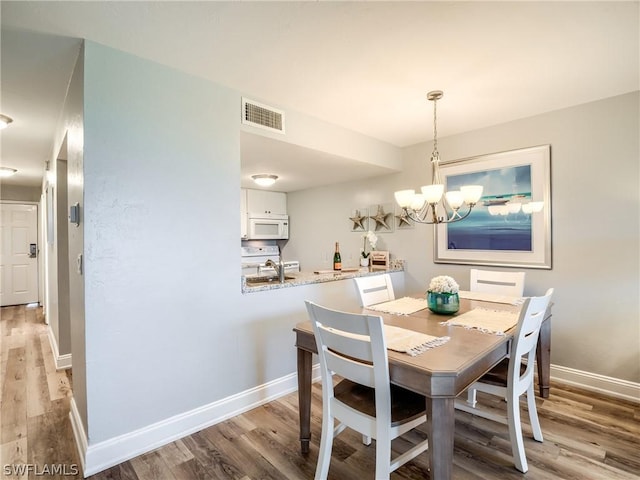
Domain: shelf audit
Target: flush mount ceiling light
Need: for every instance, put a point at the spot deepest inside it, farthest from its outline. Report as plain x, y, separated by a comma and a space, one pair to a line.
433, 205
7, 172
264, 179
5, 121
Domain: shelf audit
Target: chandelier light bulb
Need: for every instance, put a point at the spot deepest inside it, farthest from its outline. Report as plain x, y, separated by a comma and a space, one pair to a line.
471, 193
418, 202
432, 193
514, 207
455, 199
532, 207
404, 197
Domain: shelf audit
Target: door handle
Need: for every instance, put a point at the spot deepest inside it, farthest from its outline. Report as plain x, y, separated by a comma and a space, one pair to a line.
33, 250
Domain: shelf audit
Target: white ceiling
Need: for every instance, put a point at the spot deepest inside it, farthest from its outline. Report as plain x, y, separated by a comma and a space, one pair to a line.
365, 66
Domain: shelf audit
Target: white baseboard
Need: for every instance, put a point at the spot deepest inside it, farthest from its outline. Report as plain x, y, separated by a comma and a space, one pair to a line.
103, 455
78, 431
62, 361
598, 383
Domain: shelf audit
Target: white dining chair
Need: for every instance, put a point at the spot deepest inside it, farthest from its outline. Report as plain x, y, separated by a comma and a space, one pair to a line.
517, 380
501, 283
353, 347
375, 289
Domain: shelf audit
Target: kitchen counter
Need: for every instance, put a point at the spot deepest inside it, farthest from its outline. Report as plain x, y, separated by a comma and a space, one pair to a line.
308, 278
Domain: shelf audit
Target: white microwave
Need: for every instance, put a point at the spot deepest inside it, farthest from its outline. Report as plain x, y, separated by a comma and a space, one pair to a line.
268, 227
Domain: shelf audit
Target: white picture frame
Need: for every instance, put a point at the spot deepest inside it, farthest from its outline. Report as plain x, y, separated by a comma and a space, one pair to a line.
537, 162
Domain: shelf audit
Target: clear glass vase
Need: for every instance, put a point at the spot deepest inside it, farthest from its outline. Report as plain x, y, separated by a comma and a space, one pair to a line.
443, 303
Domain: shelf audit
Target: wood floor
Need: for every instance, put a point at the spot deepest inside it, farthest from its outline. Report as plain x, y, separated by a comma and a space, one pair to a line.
587, 436
35, 431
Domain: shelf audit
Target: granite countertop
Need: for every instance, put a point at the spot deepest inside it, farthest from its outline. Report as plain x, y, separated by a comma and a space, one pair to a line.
308, 278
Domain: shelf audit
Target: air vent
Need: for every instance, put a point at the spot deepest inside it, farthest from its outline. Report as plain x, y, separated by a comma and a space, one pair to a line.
262, 116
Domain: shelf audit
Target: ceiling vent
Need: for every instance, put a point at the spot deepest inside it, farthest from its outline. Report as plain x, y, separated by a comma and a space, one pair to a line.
262, 116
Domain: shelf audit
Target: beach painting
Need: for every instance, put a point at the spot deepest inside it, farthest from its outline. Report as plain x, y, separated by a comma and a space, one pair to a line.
489, 235
483, 231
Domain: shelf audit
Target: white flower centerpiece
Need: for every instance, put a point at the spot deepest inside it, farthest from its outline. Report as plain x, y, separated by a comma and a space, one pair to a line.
442, 295
373, 241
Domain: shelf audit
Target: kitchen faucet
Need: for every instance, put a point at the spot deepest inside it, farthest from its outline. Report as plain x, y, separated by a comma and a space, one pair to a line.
279, 267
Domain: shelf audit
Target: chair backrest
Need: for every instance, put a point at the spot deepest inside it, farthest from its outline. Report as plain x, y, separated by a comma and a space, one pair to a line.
501, 283
375, 289
352, 346
525, 341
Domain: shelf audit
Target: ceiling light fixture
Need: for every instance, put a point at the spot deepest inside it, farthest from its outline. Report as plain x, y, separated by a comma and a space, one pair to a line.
264, 179
431, 206
5, 121
7, 172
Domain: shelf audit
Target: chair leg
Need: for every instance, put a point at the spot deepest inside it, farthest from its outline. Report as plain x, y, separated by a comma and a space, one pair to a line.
383, 455
366, 440
515, 433
326, 444
471, 397
533, 414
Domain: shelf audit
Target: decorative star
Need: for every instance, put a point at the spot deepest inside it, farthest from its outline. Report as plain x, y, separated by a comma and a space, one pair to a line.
381, 218
357, 220
403, 218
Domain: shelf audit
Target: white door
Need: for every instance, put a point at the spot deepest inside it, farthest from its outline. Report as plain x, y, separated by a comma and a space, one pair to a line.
18, 262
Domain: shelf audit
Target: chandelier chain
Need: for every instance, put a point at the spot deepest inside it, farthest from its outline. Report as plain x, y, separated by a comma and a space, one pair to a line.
434, 205
435, 154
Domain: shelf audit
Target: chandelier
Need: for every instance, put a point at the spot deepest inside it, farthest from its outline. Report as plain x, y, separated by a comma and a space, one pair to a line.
433, 205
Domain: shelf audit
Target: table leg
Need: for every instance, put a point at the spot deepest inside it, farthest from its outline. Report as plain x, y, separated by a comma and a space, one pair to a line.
543, 358
304, 397
440, 429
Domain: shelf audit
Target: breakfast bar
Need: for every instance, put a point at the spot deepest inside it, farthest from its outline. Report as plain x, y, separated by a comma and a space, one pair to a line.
261, 284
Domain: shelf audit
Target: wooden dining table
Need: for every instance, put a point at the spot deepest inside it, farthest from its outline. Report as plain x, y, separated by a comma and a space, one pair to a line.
440, 374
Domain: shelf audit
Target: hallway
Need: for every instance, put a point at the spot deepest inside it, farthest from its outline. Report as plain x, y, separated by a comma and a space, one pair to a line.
36, 436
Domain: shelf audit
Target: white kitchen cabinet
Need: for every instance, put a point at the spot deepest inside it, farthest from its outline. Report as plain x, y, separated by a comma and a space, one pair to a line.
244, 217
262, 201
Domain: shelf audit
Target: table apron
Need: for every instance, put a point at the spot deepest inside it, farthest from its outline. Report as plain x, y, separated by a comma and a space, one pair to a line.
433, 386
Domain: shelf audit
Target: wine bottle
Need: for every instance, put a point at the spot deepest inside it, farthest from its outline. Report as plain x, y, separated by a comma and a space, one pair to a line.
337, 260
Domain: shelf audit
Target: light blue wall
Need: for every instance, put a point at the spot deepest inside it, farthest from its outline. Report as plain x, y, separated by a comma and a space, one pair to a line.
161, 183
167, 327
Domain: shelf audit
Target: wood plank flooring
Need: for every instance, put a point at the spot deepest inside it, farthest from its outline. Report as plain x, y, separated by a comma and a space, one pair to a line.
587, 435
36, 440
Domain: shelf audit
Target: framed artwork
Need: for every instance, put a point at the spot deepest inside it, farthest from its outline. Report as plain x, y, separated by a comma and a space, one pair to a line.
381, 218
359, 219
485, 237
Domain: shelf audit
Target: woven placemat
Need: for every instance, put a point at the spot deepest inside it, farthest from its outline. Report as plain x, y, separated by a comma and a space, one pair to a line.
496, 322
400, 306
410, 342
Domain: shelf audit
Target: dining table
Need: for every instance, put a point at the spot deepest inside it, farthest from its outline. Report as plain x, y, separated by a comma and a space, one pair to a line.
440, 373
